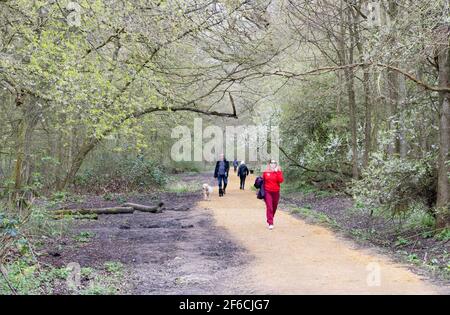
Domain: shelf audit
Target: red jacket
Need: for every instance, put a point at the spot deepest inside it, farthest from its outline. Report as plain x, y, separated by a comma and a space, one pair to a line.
272, 181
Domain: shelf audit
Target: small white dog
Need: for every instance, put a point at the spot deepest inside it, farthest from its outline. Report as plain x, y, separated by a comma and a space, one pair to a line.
207, 191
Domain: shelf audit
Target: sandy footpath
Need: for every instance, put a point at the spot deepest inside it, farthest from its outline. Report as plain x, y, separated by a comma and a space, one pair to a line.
298, 258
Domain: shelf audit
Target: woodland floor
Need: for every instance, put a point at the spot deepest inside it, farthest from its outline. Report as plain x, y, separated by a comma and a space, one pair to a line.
223, 246
173, 252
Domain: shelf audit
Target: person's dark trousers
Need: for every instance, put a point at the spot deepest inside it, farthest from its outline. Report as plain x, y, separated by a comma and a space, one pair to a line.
220, 179
242, 181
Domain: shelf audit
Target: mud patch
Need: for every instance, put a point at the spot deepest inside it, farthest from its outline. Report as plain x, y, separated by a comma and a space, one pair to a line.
173, 252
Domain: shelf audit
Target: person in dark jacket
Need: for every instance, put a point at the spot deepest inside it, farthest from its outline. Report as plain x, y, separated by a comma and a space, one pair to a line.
242, 173
221, 173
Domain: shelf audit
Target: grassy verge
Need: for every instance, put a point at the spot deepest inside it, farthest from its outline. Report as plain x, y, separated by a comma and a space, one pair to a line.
23, 240
313, 217
28, 277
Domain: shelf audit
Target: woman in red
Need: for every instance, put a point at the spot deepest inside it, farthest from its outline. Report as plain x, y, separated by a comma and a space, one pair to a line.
273, 177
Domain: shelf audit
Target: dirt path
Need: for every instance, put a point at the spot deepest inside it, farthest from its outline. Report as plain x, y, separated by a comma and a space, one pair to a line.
298, 258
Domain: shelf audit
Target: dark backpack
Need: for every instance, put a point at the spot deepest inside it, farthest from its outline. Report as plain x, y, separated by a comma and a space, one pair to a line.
261, 193
259, 184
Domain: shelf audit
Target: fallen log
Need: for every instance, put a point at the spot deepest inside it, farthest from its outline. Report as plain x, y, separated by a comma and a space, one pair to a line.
143, 208
182, 208
93, 216
112, 210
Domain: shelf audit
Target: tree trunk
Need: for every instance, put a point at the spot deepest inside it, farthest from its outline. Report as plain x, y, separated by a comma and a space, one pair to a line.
366, 87
77, 162
59, 153
403, 144
25, 130
350, 83
443, 187
393, 84
350, 79
368, 119
393, 95
20, 152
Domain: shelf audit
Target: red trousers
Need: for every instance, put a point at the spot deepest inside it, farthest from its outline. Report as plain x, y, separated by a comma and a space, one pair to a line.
271, 198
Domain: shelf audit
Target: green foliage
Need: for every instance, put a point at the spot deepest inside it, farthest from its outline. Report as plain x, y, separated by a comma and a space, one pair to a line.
314, 134
413, 258
119, 173
84, 236
22, 277
40, 222
98, 289
401, 241
293, 184
60, 196
101, 283
114, 266
444, 235
308, 213
362, 234
180, 187
8, 225
427, 234
18, 233
184, 166
145, 173
419, 216
117, 198
27, 277
120, 199
108, 197
58, 273
87, 272
395, 185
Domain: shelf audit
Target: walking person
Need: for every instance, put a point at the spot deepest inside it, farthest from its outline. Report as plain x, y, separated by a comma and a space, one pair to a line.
273, 177
235, 164
242, 173
221, 173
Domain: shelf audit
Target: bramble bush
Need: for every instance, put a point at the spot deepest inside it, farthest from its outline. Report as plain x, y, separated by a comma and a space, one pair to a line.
394, 186
122, 173
18, 236
326, 159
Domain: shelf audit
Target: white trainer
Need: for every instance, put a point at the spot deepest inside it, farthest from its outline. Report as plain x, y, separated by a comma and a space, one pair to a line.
270, 227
